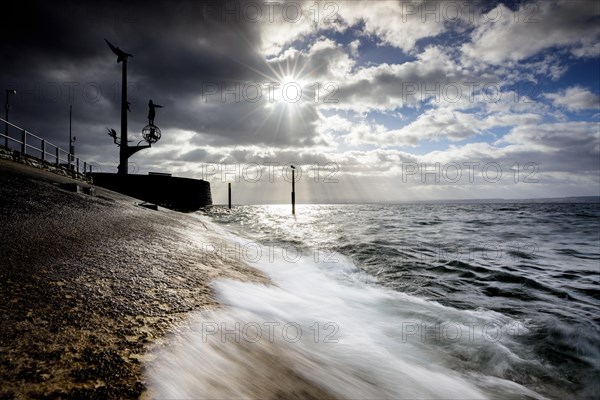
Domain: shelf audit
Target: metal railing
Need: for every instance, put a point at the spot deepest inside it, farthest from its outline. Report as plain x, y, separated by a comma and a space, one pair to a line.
46, 151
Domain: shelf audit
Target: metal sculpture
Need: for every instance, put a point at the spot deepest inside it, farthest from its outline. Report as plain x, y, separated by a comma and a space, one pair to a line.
152, 111
121, 55
150, 134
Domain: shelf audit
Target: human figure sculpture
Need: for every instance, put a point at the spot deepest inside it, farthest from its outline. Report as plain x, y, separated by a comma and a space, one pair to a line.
152, 112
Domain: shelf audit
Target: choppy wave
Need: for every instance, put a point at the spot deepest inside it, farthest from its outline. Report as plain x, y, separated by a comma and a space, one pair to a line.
384, 311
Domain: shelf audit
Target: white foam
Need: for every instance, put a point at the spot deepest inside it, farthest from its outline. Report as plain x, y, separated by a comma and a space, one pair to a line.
358, 340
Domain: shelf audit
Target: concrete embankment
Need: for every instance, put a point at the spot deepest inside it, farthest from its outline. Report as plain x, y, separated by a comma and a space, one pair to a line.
91, 284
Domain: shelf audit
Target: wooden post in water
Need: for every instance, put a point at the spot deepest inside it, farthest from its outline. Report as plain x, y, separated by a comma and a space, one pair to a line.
293, 190
229, 194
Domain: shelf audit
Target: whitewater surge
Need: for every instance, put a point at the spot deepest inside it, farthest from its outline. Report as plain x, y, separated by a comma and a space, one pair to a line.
324, 330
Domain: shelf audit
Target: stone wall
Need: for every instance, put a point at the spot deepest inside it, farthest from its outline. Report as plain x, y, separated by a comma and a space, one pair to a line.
17, 156
181, 194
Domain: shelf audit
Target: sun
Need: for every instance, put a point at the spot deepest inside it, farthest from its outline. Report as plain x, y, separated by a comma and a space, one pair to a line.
287, 93
290, 90
293, 79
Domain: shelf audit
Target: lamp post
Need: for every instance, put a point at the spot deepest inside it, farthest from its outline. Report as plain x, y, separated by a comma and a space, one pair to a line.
72, 138
7, 107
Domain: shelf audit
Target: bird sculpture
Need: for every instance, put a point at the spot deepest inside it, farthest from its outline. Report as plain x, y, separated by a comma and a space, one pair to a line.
112, 133
121, 55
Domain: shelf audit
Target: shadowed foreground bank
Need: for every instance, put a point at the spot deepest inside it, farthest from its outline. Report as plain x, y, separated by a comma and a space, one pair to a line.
91, 284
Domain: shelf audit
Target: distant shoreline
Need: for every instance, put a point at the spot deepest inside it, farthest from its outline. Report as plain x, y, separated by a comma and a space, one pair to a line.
548, 200
565, 200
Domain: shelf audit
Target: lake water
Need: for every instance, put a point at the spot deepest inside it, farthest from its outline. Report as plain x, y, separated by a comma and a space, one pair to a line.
400, 301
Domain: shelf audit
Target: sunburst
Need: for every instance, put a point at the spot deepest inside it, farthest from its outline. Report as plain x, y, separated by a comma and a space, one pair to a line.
290, 109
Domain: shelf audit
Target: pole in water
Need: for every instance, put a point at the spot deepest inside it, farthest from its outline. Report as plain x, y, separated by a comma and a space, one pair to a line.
229, 194
293, 190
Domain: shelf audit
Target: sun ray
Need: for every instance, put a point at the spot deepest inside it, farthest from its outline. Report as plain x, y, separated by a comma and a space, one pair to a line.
278, 125
288, 114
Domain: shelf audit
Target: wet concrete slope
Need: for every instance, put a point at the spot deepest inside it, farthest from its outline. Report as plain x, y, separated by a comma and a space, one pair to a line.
90, 284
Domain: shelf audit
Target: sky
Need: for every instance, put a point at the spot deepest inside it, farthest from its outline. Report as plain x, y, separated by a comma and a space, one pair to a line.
370, 100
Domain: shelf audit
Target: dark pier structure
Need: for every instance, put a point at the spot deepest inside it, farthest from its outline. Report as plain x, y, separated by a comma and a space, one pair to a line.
181, 194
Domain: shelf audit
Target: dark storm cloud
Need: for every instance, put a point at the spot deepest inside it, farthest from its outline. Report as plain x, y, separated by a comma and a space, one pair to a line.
163, 36
54, 55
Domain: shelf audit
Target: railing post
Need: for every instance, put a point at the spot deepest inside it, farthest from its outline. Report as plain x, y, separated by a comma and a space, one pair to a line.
46, 155
23, 141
